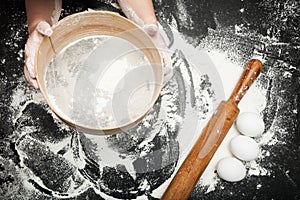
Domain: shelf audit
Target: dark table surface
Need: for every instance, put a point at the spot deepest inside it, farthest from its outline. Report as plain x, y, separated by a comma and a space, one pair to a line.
30, 170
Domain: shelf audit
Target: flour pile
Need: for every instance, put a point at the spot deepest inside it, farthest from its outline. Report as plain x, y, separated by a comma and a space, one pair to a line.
100, 81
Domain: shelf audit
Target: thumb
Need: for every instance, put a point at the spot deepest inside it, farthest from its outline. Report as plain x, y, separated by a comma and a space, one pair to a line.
151, 29
44, 28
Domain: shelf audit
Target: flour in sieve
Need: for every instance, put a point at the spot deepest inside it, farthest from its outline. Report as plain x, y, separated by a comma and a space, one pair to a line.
100, 81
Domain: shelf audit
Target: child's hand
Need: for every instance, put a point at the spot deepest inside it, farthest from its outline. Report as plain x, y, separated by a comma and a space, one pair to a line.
32, 44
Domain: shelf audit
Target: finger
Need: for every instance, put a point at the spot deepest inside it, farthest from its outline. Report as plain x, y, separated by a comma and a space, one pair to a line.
56, 12
167, 69
29, 64
44, 28
151, 29
168, 76
31, 81
30, 51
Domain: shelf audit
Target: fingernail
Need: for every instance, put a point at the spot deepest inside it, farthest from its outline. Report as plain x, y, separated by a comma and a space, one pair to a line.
44, 28
48, 31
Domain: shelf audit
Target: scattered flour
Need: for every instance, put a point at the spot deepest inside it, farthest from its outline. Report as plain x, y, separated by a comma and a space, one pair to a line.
253, 101
223, 78
223, 75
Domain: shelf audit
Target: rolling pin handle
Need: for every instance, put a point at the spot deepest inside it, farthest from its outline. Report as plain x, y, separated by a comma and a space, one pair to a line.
250, 73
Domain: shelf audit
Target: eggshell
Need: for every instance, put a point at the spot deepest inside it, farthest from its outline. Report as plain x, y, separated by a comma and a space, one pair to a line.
250, 124
231, 169
244, 148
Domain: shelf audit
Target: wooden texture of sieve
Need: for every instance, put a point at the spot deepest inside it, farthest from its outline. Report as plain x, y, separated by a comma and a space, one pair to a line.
96, 23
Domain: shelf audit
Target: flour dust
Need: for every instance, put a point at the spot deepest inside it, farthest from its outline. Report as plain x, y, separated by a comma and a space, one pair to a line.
223, 77
100, 82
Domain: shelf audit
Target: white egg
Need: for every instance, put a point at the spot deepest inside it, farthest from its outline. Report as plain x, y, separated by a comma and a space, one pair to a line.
250, 124
231, 169
244, 148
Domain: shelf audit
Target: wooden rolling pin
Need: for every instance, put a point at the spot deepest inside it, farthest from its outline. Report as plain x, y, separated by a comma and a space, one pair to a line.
212, 135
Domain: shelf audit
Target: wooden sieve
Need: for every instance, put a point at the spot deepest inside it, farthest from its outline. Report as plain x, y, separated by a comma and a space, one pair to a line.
96, 23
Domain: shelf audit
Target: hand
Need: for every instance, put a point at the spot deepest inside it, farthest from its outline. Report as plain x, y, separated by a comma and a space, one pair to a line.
142, 13
32, 44
160, 43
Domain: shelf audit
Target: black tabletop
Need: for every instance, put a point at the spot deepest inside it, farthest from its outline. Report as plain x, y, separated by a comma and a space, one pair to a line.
33, 162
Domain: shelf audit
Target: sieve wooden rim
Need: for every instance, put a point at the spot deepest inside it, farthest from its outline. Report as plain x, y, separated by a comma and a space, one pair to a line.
96, 23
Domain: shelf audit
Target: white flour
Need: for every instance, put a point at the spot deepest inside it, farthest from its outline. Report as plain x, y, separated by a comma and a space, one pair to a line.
254, 101
228, 72
95, 81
